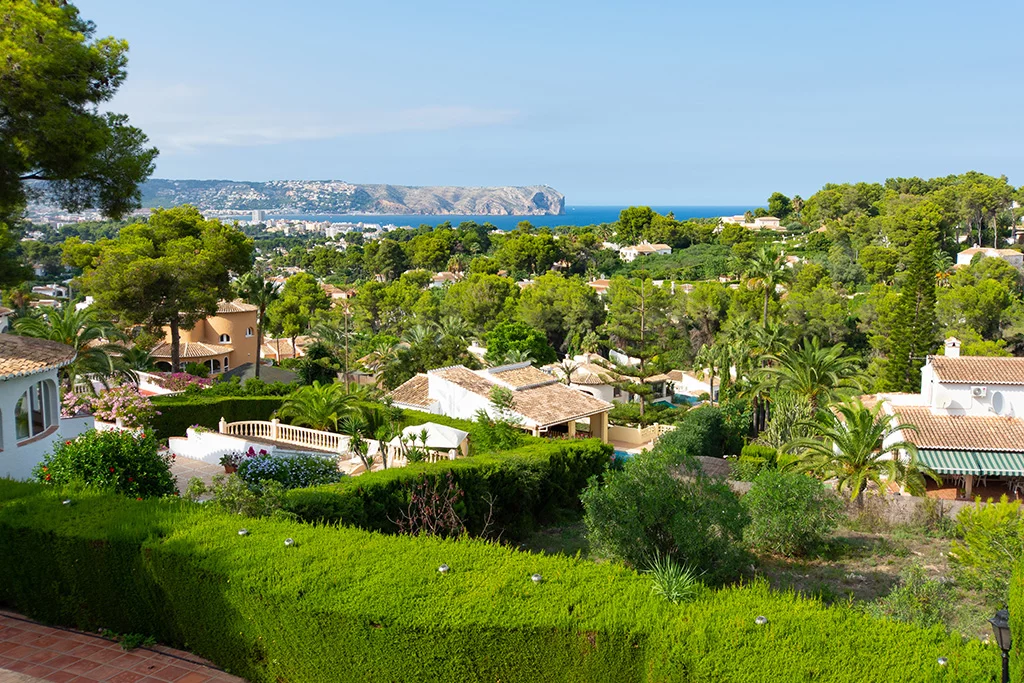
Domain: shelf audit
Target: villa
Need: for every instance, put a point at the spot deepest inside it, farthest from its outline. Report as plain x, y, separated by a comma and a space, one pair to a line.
1011, 256
629, 254
590, 376
30, 422
220, 342
969, 419
541, 405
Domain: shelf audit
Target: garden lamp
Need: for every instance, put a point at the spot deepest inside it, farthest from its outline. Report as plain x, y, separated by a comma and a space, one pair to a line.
1001, 628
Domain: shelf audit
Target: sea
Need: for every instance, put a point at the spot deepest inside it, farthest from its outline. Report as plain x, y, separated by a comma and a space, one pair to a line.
574, 215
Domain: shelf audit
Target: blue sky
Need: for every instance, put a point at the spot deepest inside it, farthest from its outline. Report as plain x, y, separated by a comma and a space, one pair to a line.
610, 103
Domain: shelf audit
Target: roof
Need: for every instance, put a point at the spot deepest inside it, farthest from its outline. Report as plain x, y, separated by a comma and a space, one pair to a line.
236, 306
978, 369
20, 356
991, 250
413, 392
268, 373
961, 432
190, 350
445, 276
648, 248
5, 311
438, 436
465, 378
520, 375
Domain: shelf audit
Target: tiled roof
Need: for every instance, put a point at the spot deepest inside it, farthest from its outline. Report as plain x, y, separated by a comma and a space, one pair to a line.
191, 350
556, 403
465, 378
5, 311
518, 377
271, 347
236, 306
413, 393
26, 355
978, 369
961, 432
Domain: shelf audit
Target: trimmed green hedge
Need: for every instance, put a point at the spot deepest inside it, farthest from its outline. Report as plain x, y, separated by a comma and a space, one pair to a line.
513, 491
1017, 624
178, 413
349, 605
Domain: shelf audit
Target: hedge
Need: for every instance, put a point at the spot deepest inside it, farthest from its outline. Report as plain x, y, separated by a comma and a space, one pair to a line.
178, 413
510, 493
1017, 624
343, 604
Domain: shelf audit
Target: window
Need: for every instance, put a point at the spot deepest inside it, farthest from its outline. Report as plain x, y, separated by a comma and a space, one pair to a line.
616, 392
214, 365
225, 363
248, 332
34, 412
225, 339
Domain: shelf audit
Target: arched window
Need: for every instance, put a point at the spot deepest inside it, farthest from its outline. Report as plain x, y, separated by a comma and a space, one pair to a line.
249, 332
35, 411
225, 339
225, 363
214, 365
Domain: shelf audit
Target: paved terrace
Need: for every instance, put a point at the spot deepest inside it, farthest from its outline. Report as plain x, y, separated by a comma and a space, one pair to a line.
31, 653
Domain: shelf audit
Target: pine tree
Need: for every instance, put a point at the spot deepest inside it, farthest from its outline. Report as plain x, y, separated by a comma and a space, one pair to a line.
914, 326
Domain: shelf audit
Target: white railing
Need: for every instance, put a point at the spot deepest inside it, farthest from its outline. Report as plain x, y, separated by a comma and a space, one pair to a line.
291, 435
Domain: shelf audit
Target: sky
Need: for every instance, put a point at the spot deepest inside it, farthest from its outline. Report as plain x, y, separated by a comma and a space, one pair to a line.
661, 103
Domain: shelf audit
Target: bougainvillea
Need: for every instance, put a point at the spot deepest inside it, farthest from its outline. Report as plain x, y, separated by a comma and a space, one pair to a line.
180, 381
123, 402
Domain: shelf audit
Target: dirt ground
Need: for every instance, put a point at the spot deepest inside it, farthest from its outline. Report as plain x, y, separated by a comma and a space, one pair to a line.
854, 565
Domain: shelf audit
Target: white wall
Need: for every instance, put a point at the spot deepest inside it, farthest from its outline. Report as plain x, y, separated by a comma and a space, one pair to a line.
956, 399
17, 461
605, 392
453, 400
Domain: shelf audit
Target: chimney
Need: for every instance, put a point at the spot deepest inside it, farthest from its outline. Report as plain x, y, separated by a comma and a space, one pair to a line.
952, 348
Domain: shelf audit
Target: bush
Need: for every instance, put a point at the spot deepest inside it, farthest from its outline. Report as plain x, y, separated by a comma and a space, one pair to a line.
291, 471
118, 461
790, 513
646, 511
753, 459
178, 413
916, 600
701, 432
197, 369
508, 494
267, 612
231, 494
1016, 607
992, 544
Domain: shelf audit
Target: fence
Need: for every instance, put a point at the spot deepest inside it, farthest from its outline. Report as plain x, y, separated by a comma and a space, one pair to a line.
289, 434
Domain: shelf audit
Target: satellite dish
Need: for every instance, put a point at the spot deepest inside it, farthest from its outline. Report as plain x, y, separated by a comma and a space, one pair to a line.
945, 401
997, 402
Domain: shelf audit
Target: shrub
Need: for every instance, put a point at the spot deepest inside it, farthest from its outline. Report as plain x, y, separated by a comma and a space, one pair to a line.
646, 511
291, 471
181, 381
118, 461
916, 600
1016, 607
672, 581
790, 513
197, 369
992, 544
178, 413
233, 495
702, 432
266, 612
753, 459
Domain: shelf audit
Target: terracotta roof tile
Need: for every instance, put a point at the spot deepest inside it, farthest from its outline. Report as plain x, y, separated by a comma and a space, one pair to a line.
556, 403
978, 369
21, 356
191, 350
465, 378
413, 392
236, 306
962, 432
518, 377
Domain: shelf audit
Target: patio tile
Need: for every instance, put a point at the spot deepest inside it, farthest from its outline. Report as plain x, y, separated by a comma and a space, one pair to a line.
81, 666
194, 677
102, 673
171, 672
126, 677
61, 676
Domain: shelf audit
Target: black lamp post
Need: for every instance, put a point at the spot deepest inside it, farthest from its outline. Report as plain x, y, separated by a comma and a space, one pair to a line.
1001, 628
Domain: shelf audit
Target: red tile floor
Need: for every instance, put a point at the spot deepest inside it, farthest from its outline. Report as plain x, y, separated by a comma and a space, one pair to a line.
63, 656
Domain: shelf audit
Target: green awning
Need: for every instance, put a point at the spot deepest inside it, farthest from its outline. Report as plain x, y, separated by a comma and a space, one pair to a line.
993, 463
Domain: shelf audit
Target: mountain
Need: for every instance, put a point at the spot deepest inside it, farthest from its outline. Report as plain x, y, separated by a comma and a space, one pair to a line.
335, 196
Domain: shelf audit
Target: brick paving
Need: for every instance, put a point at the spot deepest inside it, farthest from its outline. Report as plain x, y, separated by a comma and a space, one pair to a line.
31, 652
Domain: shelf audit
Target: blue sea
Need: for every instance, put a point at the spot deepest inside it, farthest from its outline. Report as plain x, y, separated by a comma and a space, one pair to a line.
574, 215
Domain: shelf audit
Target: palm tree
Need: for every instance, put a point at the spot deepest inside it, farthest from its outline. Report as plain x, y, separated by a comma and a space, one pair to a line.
137, 359
713, 358
317, 406
567, 369
849, 444
369, 421
766, 271
517, 356
336, 337
381, 356
819, 374
255, 290
82, 330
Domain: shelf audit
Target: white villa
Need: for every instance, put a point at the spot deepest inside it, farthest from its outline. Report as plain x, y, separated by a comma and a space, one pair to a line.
593, 378
1011, 256
30, 420
760, 223
969, 418
629, 254
541, 403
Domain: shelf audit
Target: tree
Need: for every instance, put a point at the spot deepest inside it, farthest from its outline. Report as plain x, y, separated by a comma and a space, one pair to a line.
849, 445
254, 289
301, 298
482, 300
634, 223
638, 326
83, 331
819, 374
515, 336
914, 324
766, 271
388, 259
53, 85
779, 205
317, 406
171, 270
566, 309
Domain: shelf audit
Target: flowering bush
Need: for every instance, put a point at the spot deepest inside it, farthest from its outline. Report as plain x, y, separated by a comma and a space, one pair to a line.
180, 381
116, 460
292, 471
124, 402
235, 458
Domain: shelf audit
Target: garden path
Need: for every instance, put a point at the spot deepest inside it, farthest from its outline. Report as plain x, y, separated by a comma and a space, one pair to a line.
186, 468
31, 652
